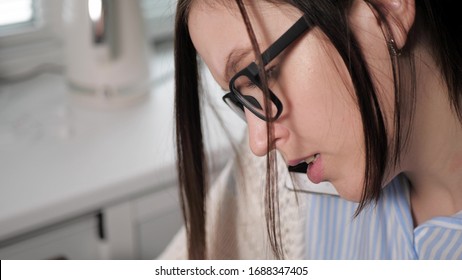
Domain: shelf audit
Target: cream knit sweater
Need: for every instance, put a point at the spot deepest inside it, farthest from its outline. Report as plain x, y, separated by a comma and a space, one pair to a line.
236, 227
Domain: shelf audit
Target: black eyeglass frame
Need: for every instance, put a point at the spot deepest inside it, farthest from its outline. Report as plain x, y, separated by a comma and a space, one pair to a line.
252, 73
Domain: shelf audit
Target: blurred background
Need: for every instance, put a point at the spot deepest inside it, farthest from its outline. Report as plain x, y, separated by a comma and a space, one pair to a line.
87, 157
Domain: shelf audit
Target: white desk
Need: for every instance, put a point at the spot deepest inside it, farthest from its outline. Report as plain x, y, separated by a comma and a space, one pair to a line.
60, 160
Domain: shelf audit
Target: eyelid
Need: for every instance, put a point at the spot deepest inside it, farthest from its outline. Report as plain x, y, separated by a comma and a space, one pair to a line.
234, 60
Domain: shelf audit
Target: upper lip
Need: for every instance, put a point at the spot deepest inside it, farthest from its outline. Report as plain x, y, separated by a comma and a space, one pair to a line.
295, 162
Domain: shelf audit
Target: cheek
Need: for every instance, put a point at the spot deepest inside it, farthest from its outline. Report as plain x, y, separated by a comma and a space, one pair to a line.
320, 97
324, 116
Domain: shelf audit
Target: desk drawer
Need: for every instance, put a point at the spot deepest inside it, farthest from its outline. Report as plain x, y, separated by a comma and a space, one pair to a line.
73, 240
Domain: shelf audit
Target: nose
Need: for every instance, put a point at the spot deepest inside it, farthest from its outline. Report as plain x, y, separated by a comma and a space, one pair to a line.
258, 135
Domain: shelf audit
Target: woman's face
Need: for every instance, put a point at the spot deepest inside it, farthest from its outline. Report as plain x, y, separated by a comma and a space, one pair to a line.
320, 115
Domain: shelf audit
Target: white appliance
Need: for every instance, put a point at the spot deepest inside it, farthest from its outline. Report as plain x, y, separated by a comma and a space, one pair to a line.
106, 51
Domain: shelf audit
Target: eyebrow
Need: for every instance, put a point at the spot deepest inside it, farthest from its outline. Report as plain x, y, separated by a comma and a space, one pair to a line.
233, 60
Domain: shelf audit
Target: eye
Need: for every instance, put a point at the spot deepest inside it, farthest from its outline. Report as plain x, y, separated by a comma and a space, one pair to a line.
250, 85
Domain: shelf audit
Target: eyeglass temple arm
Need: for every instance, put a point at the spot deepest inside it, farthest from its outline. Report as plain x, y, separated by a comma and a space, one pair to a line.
285, 40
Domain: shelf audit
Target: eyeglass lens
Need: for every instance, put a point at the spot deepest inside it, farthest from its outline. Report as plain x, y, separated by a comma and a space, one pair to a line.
252, 96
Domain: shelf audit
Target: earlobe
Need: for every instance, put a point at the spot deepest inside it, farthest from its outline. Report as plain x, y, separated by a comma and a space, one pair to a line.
399, 16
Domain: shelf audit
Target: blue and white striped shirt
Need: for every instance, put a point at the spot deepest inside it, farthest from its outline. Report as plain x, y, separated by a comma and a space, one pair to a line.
384, 231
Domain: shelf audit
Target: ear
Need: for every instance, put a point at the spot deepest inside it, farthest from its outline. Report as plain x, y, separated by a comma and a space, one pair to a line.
399, 16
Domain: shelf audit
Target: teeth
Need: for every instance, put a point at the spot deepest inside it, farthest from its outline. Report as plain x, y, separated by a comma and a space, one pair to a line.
311, 159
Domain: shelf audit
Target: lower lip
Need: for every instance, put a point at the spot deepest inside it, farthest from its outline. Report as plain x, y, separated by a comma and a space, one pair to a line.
315, 171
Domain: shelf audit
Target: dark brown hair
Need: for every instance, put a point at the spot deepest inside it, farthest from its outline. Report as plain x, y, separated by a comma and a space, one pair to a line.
437, 22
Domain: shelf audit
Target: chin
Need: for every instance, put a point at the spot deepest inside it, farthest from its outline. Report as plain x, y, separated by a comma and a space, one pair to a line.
352, 198
350, 191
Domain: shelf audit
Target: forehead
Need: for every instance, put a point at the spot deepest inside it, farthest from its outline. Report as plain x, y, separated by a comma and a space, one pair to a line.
214, 27
218, 30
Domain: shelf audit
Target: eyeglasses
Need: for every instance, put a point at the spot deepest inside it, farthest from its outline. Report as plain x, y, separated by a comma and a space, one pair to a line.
246, 88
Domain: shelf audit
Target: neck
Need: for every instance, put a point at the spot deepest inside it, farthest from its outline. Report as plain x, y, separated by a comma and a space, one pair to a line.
433, 163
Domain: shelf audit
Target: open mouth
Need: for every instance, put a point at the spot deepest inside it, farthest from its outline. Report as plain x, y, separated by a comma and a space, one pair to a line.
299, 168
302, 167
